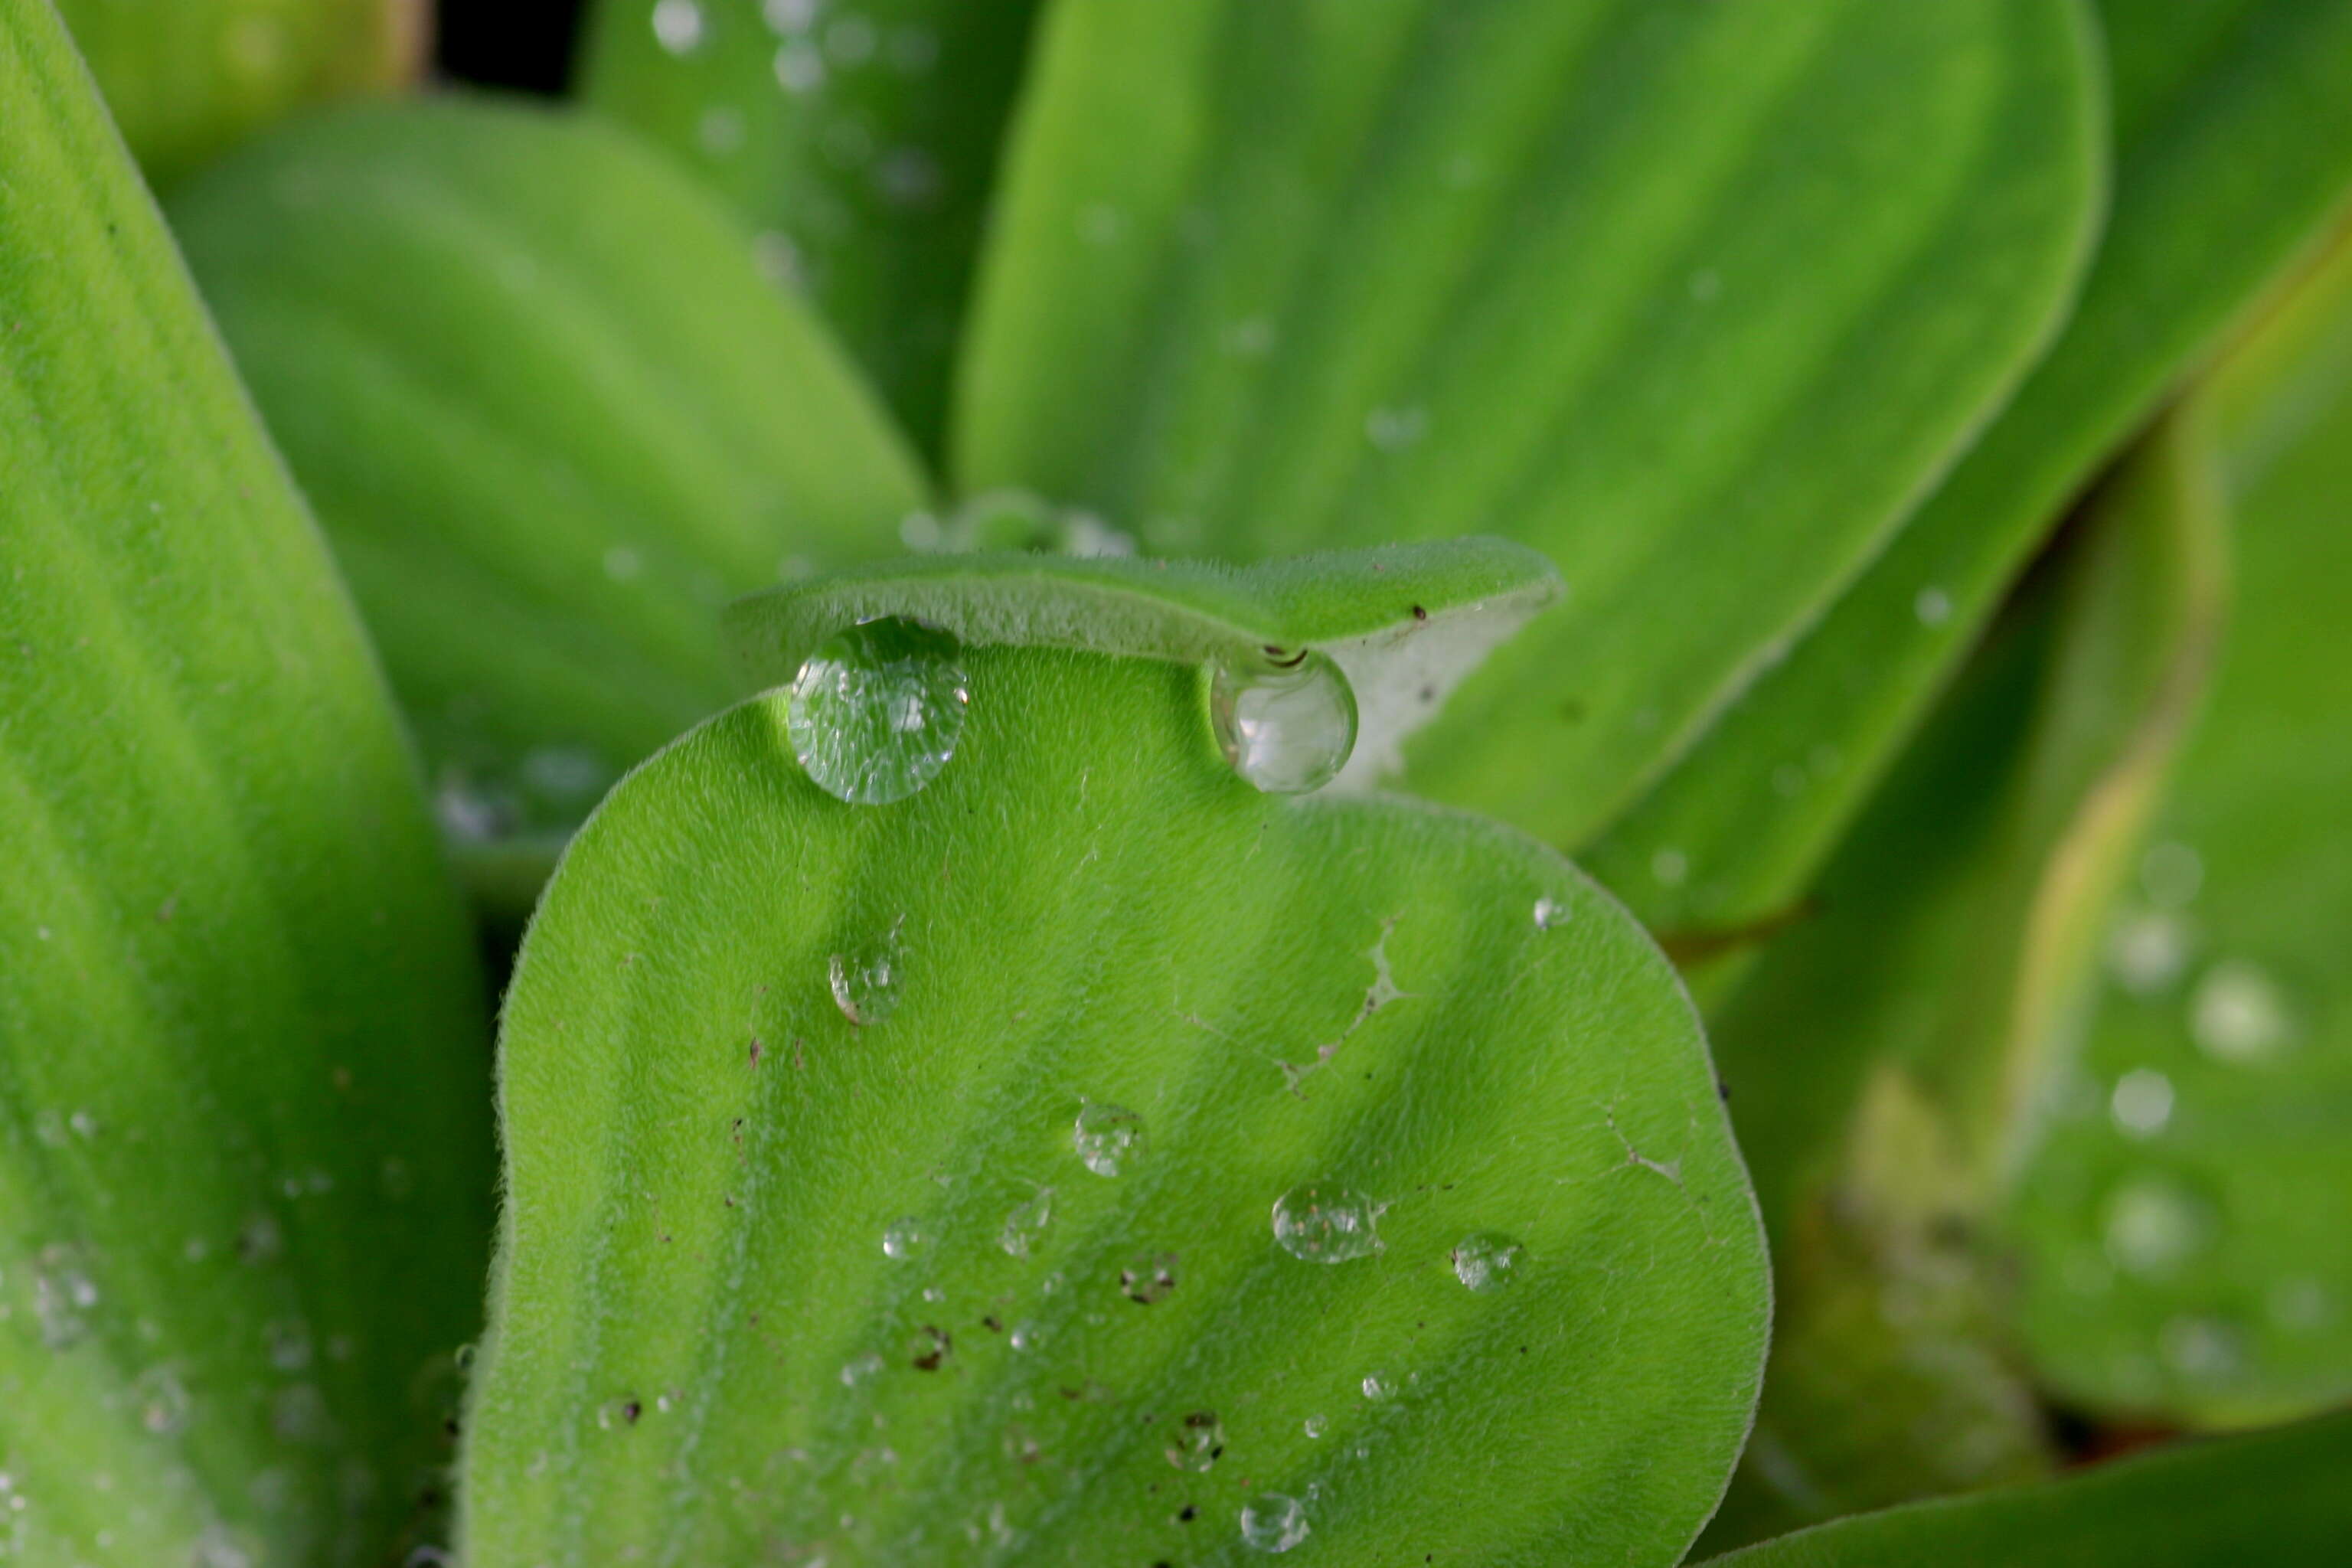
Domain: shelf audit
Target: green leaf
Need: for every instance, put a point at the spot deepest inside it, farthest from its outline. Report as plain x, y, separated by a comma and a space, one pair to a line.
2182, 1219
552, 417
189, 79
1880, 1053
1696, 299
2233, 125
867, 1289
2275, 1498
243, 1158
860, 142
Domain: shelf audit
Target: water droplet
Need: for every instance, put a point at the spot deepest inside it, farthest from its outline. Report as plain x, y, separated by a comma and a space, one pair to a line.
298, 1414
1026, 1223
1932, 606
1250, 338
2154, 1226
864, 984
2300, 1304
913, 50
1148, 1282
1273, 1522
290, 1344
1316, 1425
789, 16
2237, 1014
1025, 1337
84, 1125
908, 177
1286, 731
1485, 1261
720, 131
859, 1370
904, 1238
64, 1295
2201, 1348
1393, 429
875, 712
799, 67
2170, 873
259, 1240
1200, 1438
678, 25
395, 1178
1550, 912
850, 40
1320, 1223
162, 1400
1377, 1388
1670, 867
1100, 225
2141, 1103
1106, 1137
622, 562
2148, 951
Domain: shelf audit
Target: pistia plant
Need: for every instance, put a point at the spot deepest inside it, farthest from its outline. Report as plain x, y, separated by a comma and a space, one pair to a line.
1030, 609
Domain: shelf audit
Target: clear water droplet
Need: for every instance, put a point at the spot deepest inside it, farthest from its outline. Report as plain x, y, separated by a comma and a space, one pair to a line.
1199, 1437
1026, 1223
863, 1367
1377, 1388
2155, 1225
875, 712
620, 1414
1485, 1261
2237, 1014
1288, 730
1550, 912
2141, 1103
1273, 1522
1025, 1337
904, 1238
1322, 1222
1316, 1425
864, 983
1106, 1137
2148, 951
678, 25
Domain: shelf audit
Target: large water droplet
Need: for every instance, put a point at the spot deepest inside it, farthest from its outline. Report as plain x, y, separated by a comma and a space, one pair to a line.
1273, 1522
1485, 1261
1325, 1224
1286, 730
1200, 1438
1107, 1136
864, 983
904, 1238
2237, 1014
2154, 1226
875, 713
1026, 1223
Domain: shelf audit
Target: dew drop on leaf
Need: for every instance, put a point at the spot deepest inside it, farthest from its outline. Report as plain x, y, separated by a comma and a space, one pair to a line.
904, 1239
1200, 1438
1325, 1224
1550, 912
864, 983
2154, 1225
874, 713
1485, 1261
1106, 1137
1286, 730
1273, 1522
2237, 1015
1026, 1223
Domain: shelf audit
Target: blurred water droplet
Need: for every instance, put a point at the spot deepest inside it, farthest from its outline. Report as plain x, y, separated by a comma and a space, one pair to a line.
2238, 1014
1026, 1223
1025, 1337
1393, 429
1273, 1522
1321, 1223
288, 1342
1932, 606
1485, 1261
1106, 1137
875, 712
64, 1295
2148, 951
864, 983
1287, 731
913, 50
1377, 1388
1316, 1425
259, 1240
678, 25
162, 1401
799, 67
2155, 1225
2299, 1304
1550, 912
1200, 1438
859, 1370
904, 1238
2141, 1103
2204, 1349
623, 1413
2171, 873
622, 562
720, 131
789, 16
298, 1414
850, 40
1670, 867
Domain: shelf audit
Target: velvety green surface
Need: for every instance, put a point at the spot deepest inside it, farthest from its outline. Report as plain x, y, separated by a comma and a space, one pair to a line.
243, 1159
859, 139
2275, 1498
187, 79
1696, 299
2183, 1217
703, 1344
551, 418
2232, 129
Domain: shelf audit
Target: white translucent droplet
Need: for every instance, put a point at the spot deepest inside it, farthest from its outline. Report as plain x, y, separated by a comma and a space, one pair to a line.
2148, 951
2238, 1014
622, 562
859, 1370
1106, 1137
1932, 606
875, 712
1485, 1261
289, 1341
678, 25
865, 981
789, 16
2299, 1304
1393, 429
1671, 867
1323, 1223
2141, 1103
1026, 1223
904, 1238
1286, 729
1199, 1439
1550, 912
162, 1400
850, 40
1377, 1388
1273, 1522
2155, 1225
1316, 1425
720, 131
2204, 1349
799, 67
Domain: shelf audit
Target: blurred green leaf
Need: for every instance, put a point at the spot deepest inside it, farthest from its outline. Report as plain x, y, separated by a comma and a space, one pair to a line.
244, 1155
1696, 299
2184, 1216
553, 419
926, 1214
1879, 1054
2275, 1498
187, 79
2233, 125
859, 140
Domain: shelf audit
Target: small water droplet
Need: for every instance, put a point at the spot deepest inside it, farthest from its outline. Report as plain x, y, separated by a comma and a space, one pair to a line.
1025, 1337
859, 1370
1026, 1223
1200, 1438
2154, 1226
1670, 867
2148, 951
2299, 1304
2171, 873
1106, 1137
678, 25
2141, 1103
2204, 1349
908, 177
1321, 1223
1286, 730
799, 67
1377, 1388
1485, 1261
850, 40
1550, 912
913, 50
298, 1414
259, 1240
789, 16
875, 712
1932, 606
904, 1238
864, 983
290, 1344
622, 562
1273, 1522
1393, 429
1316, 1425
720, 131
162, 1400
2237, 1014
64, 1295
